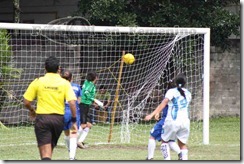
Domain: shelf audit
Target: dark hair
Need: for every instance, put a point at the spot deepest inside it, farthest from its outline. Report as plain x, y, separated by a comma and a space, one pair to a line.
52, 64
170, 84
180, 82
67, 75
91, 76
102, 87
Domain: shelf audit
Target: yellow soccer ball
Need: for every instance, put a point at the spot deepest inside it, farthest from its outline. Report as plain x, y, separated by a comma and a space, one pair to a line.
129, 58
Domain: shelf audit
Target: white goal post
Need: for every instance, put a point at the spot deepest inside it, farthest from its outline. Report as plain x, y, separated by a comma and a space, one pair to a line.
161, 53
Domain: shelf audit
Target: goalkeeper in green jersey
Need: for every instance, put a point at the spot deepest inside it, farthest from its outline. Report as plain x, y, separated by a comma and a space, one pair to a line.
87, 98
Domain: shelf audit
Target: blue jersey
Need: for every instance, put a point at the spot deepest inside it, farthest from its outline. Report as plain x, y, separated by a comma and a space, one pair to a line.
67, 114
77, 90
157, 130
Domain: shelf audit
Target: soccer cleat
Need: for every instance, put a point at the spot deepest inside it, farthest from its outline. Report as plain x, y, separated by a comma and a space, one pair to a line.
93, 123
180, 156
81, 145
72, 159
149, 159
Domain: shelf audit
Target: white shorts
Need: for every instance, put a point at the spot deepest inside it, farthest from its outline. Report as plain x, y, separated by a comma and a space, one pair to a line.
176, 129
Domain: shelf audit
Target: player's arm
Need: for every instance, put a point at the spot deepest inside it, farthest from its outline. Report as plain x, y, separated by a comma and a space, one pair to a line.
78, 100
29, 96
28, 105
74, 128
71, 98
157, 111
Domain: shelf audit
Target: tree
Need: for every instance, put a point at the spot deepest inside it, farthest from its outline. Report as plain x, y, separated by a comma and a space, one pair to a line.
16, 11
7, 70
166, 13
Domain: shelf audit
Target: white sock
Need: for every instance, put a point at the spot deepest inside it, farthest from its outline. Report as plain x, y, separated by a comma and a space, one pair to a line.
174, 146
80, 130
67, 143
184, 154
165, 151
83, 135
151, 148
73, 146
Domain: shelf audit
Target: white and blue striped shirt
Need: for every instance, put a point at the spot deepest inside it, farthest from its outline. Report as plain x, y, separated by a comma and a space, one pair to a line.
178, 106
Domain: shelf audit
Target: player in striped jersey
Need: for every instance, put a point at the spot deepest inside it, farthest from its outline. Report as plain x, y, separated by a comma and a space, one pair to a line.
177, 122
157, 130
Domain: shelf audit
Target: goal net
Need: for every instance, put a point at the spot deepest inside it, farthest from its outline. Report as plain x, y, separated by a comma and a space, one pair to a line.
160, 53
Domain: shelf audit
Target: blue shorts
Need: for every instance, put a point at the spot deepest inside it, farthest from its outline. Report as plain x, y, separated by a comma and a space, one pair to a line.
67, 119
157, 130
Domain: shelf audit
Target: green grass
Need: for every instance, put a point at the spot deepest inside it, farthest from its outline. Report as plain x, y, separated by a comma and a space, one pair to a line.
224, 144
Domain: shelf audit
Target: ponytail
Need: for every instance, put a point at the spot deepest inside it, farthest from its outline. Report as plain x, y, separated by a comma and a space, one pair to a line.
180, 82
181, 91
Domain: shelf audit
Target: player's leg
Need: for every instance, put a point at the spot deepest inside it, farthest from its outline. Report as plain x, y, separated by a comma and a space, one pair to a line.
184, 150
151, 148
73, 144
85, 125
92, 115
45, 151
48, 129
165, 150
67, 125
43, 136
155, 134
80, 129
67, 139
169, 133
175, 147
71, 137
183, 135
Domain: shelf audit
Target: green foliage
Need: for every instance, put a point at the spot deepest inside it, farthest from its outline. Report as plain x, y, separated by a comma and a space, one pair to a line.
166, 13
7, 71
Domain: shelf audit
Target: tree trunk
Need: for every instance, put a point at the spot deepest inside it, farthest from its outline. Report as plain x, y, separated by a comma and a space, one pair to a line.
16, 11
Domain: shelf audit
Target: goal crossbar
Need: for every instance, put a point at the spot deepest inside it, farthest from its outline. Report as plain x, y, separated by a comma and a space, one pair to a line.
107, 29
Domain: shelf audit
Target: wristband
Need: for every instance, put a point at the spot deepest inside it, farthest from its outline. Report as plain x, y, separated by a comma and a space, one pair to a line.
73, 119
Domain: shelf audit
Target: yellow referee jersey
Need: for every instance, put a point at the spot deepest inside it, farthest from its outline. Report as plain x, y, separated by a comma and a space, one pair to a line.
51, 91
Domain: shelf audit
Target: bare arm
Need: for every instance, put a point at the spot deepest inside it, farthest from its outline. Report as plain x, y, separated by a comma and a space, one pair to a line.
72, 106
79, 100
156, 112
28, 105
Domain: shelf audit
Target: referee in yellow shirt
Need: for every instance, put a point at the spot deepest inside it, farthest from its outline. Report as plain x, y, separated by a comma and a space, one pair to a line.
51, 91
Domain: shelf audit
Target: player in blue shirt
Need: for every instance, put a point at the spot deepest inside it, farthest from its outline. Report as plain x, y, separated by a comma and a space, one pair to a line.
71, 140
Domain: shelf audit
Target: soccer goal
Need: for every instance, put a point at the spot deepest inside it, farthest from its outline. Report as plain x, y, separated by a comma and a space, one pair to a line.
136, 89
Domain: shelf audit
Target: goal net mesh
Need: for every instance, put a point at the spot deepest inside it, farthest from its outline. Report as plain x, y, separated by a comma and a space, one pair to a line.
160, 56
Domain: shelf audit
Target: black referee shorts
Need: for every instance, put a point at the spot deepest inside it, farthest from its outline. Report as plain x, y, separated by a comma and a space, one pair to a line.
48, 128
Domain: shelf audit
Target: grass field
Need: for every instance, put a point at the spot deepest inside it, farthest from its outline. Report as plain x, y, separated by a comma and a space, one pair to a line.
224, 145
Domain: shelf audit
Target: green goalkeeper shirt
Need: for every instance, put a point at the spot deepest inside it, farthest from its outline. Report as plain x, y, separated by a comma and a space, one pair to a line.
88, 92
